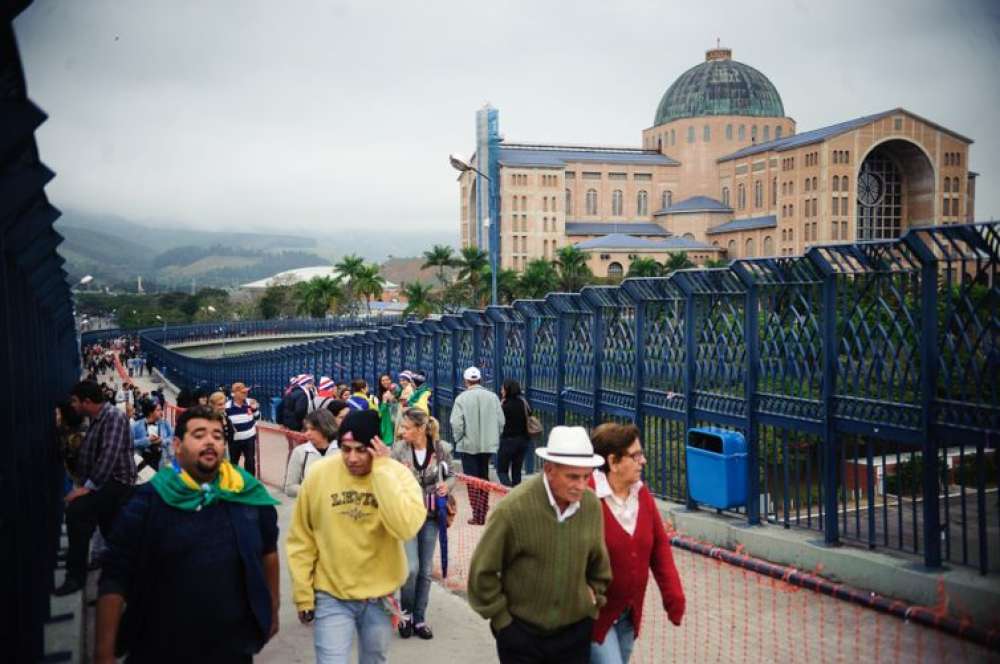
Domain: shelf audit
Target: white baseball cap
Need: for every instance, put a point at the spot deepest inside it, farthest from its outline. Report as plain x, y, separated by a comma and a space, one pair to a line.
472, 373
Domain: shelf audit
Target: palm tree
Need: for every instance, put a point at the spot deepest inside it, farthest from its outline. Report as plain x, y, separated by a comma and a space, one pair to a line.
418, 300
508, 286
574, 273
348, 269
644, 267
677, 261
717, 262
317, 296
539, 279
440, 256
472, 264
368, 283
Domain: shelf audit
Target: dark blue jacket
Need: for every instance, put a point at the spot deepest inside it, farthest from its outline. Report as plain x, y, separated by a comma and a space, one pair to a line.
147, 529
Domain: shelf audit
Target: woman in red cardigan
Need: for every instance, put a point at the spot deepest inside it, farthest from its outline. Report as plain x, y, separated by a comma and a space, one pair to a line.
636, 541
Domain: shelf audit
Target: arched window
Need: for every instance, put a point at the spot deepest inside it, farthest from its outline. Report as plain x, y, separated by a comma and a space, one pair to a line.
729, 132
659, 144
777, 132
807, 184
667, 199
545, 203
815, 183
514, 204
731, 249
616, 203
725, 196
688, 236
768, 246
774, 191
753, 133
642, 203
673, 137
836, 183
784, 188
749, 249
569, 202
706, 134
691, 134
591, 201
742, 133
615, 271
947, 185
758, 194
767, 133
741, 196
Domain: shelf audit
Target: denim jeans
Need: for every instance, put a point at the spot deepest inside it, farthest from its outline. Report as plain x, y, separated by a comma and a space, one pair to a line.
336, 622
510, 459
617, 646
420, 555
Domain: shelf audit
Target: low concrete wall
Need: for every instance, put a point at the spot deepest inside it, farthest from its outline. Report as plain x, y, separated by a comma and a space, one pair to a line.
968, 593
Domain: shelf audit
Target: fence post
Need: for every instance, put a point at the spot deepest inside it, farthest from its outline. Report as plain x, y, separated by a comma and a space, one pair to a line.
561, 337
597, 344
639, 355
690, 366
751, 339
928, 384
831, 529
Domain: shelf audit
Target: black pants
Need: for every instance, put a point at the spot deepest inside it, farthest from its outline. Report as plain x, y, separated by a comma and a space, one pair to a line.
521, 643
478, 465
246, 448
83, 515
510, 458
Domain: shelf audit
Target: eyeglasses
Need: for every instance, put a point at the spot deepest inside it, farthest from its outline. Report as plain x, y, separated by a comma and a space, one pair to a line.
637, 456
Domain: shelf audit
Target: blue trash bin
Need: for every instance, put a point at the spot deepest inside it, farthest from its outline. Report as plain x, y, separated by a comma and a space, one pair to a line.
717, 467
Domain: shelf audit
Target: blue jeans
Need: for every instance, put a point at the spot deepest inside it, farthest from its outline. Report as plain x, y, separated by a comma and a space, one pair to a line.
617, 646
336, 622
420, 555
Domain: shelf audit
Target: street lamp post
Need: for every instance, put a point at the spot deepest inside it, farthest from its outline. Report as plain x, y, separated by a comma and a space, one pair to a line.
463, 166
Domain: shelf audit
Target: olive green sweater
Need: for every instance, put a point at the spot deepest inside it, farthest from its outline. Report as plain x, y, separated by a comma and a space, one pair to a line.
529, 565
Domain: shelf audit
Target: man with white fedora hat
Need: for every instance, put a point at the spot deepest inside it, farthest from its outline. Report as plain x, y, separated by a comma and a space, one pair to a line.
541, 569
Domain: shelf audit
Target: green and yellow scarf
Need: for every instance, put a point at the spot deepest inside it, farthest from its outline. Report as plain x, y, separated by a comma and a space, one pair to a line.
232, 483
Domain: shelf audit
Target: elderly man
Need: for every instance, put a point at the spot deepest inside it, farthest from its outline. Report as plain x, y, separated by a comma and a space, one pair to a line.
193, 558
540, 571
476, 422
244, 414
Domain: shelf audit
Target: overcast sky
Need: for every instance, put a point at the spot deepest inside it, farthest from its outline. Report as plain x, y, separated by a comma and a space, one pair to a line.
340, 115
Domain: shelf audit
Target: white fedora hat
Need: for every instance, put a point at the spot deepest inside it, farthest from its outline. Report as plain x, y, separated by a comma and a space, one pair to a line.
570, 446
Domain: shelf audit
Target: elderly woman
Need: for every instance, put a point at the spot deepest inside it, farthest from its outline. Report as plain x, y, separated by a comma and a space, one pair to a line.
321, 432
636, 541
429, 459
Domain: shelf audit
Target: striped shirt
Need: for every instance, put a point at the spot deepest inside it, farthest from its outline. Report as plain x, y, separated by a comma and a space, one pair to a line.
244, 419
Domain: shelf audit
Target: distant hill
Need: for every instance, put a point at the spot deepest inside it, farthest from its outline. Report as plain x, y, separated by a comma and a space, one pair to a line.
115, 251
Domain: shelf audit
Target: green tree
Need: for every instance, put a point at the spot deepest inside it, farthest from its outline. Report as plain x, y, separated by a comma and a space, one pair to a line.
274, 302
678, 261
644, 267
539, 279
348, 269
716, 262
418, 300
317, 296
574, 273
368, 283
508, 286
442, 257
472, 265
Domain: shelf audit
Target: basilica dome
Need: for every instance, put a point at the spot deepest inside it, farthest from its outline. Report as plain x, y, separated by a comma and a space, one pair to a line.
719, 86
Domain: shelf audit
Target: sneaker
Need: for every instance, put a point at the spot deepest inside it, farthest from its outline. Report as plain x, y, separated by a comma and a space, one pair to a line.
68, 587
405, 629
423, 631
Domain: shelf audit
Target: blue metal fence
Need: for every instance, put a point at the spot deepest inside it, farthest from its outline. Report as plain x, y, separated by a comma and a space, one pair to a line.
865, 378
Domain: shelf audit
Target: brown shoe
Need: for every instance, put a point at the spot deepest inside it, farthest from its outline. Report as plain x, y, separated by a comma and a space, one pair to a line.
475, 522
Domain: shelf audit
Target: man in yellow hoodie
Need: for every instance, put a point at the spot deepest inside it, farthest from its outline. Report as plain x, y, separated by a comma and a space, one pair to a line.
345, 550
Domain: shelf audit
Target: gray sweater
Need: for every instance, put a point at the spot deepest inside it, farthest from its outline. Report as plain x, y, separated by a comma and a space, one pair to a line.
476, 421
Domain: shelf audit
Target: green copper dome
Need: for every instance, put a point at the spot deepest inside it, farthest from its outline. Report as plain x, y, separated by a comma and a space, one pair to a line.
719, 86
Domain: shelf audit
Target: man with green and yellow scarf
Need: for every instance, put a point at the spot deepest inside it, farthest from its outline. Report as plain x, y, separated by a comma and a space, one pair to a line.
193, 559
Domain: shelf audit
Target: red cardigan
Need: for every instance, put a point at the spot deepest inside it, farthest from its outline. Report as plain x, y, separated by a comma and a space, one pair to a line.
631, 559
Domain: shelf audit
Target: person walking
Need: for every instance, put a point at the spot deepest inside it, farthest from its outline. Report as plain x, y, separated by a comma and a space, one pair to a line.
541, 569
107, 472
637, 543
360, 399
476, 422
243, 414
514, 439
345, 547
193, 558
298, 402
388, 408
153, 436
422, 451
321, 435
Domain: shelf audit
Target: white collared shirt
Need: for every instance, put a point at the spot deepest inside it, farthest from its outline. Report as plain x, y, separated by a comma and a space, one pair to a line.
626, 512
571, 509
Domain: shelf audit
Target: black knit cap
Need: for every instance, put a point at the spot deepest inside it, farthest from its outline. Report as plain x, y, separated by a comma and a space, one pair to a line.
363, 425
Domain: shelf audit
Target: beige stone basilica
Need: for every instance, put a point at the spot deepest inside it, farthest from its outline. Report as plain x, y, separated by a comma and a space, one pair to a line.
722, 173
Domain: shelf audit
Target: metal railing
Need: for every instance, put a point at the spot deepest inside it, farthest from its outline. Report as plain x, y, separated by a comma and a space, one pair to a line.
865, 378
